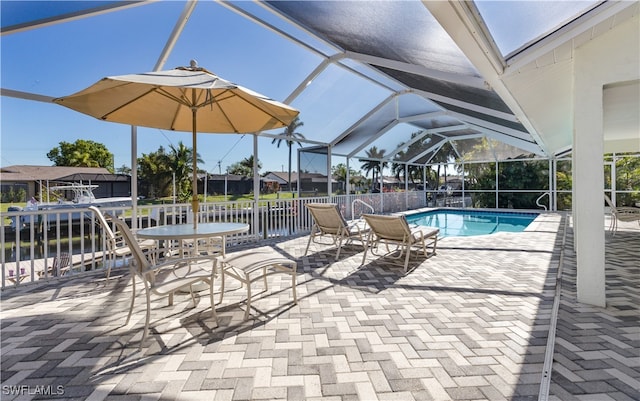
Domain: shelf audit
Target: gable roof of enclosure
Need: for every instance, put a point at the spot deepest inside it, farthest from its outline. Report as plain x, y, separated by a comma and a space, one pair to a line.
404, 76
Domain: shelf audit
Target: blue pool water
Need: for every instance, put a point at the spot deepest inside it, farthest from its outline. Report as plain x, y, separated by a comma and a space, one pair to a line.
458, 223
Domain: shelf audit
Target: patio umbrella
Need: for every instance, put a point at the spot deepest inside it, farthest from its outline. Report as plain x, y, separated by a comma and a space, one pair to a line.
183, 99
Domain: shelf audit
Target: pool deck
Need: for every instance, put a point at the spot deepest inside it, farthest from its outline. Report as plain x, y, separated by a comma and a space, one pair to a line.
470, 323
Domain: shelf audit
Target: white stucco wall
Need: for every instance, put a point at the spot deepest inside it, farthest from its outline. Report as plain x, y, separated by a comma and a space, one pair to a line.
612, 57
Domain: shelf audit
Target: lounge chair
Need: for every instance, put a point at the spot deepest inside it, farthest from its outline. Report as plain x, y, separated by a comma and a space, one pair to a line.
328, 221
167, 278
395, 231
624, 214
116, 246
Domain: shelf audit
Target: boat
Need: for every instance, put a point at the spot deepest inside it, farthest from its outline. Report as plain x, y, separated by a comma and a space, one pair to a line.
80, 195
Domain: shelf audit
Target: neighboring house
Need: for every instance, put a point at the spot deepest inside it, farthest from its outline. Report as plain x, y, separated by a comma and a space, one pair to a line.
34, 180
235, 184
311, 184
282, 179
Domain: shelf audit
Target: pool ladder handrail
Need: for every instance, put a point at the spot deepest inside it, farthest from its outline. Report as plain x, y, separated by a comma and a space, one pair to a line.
540, 197
353, 207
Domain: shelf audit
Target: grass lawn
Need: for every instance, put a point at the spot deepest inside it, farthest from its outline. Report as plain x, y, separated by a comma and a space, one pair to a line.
210, 198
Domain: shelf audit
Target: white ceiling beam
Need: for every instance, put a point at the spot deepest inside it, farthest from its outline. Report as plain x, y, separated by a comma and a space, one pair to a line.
364, 118
466, 105
424, 133
473, 81
312, 75
433, 149
465, 29
509, 140
492, 126
372, 138
175, 34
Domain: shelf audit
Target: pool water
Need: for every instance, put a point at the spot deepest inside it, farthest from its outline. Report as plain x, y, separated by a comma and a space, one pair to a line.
460, 223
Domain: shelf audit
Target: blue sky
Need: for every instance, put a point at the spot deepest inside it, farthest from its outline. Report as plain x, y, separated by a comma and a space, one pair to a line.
64, 58
61, 59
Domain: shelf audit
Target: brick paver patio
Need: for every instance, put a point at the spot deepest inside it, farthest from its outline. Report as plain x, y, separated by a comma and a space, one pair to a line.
470, 323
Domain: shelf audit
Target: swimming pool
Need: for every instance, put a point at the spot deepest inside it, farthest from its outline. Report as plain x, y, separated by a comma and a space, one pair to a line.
460, 223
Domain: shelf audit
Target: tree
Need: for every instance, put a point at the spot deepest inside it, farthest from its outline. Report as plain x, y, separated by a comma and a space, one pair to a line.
244, 167
340, 172
181, 163
374, 164
124, 169
292, 136
154, 169
81, 153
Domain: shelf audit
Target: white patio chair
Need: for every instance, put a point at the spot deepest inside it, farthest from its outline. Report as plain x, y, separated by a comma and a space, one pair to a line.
116, 246
165, 279
395, 231
328, 221
624, 213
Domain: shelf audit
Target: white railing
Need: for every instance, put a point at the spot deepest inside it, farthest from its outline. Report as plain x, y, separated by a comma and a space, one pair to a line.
37, 237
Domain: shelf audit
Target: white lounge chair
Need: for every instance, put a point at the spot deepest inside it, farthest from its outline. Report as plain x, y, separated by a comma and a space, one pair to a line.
116, 247
625, 214
328, 221
395, 231
167, 278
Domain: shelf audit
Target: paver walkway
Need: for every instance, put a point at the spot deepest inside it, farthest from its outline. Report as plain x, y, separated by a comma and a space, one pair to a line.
470, 323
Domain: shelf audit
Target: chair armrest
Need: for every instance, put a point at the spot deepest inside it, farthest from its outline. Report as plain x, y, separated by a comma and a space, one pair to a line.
183, 266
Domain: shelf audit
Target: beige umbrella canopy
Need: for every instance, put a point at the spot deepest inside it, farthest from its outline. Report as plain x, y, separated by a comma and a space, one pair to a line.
184, 99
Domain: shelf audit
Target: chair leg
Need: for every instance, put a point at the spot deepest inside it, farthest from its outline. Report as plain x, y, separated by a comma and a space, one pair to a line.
213, 305
264, 278
311, 235
147, 318
339, 247
193, 297
406, 257
293, 286
133, 298
246, 312
109, 260
366, 248
221, 284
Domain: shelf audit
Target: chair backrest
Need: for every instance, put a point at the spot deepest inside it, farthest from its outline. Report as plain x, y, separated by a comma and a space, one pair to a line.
327, 216
386, 227
111, 237
141, 262
610, 203
62, 260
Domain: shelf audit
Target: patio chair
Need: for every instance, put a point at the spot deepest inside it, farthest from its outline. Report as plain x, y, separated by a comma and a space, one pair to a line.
61, 265
624, 214
165, 279
253, 265
328, 221
395, 231
116, 246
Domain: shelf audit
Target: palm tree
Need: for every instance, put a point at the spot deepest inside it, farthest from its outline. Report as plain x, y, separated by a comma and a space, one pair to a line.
374, 165
180, 162
154, 169
244, 167
292, 136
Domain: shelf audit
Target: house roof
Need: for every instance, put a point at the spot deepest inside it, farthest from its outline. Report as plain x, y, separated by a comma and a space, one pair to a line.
55, 173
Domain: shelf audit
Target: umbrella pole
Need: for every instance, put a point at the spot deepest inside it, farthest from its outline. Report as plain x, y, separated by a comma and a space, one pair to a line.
194, 183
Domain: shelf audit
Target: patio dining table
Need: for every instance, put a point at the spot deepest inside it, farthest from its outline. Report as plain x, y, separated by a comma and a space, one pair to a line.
182, 232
